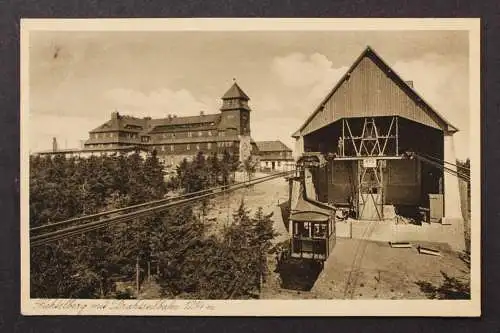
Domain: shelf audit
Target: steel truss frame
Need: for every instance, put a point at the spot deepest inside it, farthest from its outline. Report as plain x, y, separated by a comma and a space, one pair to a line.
371, 141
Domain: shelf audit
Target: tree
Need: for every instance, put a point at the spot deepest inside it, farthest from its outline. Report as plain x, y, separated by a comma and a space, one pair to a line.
250, 166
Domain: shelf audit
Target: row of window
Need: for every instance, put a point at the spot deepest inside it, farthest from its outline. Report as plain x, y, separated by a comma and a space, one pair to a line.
135, 135
312, 230
286, 154
102, 145
190, 134
113, 135
198, 146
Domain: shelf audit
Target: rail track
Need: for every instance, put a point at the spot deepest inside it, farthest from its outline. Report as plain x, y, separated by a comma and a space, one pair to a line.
69, 228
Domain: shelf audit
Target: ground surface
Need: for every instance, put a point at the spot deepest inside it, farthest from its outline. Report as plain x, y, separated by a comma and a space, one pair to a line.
266, 195
361, 269
356, 269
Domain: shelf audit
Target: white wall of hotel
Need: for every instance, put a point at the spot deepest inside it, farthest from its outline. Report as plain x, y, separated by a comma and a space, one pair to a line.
276, 165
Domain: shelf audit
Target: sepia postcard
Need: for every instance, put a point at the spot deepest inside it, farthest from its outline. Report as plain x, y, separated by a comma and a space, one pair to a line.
250, 167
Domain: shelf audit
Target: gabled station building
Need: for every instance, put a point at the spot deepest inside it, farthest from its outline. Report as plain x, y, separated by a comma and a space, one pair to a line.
366, 127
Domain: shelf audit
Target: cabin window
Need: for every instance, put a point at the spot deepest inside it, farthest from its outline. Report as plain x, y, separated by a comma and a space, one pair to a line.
302, 229
319, 230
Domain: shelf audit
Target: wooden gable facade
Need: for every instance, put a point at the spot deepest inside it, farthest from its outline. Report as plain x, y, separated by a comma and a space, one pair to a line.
370, 88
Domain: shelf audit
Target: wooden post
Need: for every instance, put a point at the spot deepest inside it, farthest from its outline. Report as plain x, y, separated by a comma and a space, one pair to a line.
397, 137
137, 275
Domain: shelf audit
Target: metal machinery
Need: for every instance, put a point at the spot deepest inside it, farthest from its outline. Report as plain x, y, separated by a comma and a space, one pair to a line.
377, 142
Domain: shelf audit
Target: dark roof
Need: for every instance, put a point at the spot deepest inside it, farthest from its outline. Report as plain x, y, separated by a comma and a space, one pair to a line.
205, 122
309, 212
235, 92
271, 146
133, 124
121, 123
370, 52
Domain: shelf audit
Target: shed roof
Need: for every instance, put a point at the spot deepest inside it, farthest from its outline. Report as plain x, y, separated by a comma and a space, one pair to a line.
407, 86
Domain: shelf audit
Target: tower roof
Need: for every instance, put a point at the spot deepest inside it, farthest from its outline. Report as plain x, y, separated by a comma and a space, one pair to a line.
235, 92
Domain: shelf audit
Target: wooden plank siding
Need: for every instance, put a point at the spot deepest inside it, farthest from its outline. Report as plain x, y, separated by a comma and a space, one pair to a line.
372, 90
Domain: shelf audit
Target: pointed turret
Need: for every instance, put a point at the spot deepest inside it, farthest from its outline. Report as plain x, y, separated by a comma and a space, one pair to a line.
235, 98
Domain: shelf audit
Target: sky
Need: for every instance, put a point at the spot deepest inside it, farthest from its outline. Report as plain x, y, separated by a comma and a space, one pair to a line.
78, 78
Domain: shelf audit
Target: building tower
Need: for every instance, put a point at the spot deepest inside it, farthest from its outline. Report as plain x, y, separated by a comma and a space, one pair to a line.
235, 119
235, 111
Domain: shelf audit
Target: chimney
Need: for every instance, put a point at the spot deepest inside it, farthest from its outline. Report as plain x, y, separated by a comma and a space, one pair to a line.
82, 144
54, 144
115, 115
410, 83
175, 116
202, 113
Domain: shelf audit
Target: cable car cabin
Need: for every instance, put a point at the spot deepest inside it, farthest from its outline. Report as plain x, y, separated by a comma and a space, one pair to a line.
312, 231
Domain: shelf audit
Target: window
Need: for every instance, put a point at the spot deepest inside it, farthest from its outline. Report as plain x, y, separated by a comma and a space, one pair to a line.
281, 154
190, 134
197, 147
172, 148
302, 229
164, 135
188, 147
279, 163
267, 164
162, 148
222, 133
209, 145
209, 133
319, 230
200, 133
173, 135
